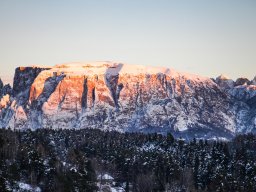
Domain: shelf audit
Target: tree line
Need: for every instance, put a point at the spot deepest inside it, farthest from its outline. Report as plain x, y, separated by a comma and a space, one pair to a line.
71, 160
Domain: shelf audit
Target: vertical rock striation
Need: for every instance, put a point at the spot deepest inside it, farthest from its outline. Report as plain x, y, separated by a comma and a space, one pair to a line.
84, 96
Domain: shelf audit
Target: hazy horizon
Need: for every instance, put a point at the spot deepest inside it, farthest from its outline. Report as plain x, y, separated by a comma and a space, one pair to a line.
207, 38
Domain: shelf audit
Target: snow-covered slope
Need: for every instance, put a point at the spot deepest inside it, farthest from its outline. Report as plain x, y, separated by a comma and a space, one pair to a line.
117, 96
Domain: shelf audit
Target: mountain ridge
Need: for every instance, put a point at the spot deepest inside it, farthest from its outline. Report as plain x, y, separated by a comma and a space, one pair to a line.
118, 96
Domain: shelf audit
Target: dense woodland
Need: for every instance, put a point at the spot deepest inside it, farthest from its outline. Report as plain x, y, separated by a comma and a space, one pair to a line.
70, 160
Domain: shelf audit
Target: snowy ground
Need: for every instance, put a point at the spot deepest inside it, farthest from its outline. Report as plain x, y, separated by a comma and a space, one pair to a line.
21, 187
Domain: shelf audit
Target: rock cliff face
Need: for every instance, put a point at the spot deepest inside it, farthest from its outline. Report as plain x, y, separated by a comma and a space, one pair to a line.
116, 96
243, 92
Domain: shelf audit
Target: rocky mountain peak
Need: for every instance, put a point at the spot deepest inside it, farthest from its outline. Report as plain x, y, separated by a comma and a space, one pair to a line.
225, 82
1, 84
223, 77
242, 81
253, 82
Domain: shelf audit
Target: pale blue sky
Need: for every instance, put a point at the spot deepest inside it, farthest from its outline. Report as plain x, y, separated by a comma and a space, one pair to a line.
198, 36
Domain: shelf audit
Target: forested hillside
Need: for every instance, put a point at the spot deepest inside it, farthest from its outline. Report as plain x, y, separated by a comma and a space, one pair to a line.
73, 160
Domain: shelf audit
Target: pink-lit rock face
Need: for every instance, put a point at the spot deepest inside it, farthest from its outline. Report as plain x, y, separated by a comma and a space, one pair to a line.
122, 97
139, 84
4, 101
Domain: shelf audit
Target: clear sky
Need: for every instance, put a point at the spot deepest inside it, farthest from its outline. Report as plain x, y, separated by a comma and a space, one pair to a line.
206, 37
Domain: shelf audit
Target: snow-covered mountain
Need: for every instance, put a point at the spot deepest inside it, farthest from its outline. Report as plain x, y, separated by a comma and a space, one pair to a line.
117, 96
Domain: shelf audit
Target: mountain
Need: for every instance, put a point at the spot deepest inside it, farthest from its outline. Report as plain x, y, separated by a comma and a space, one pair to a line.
128, 98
